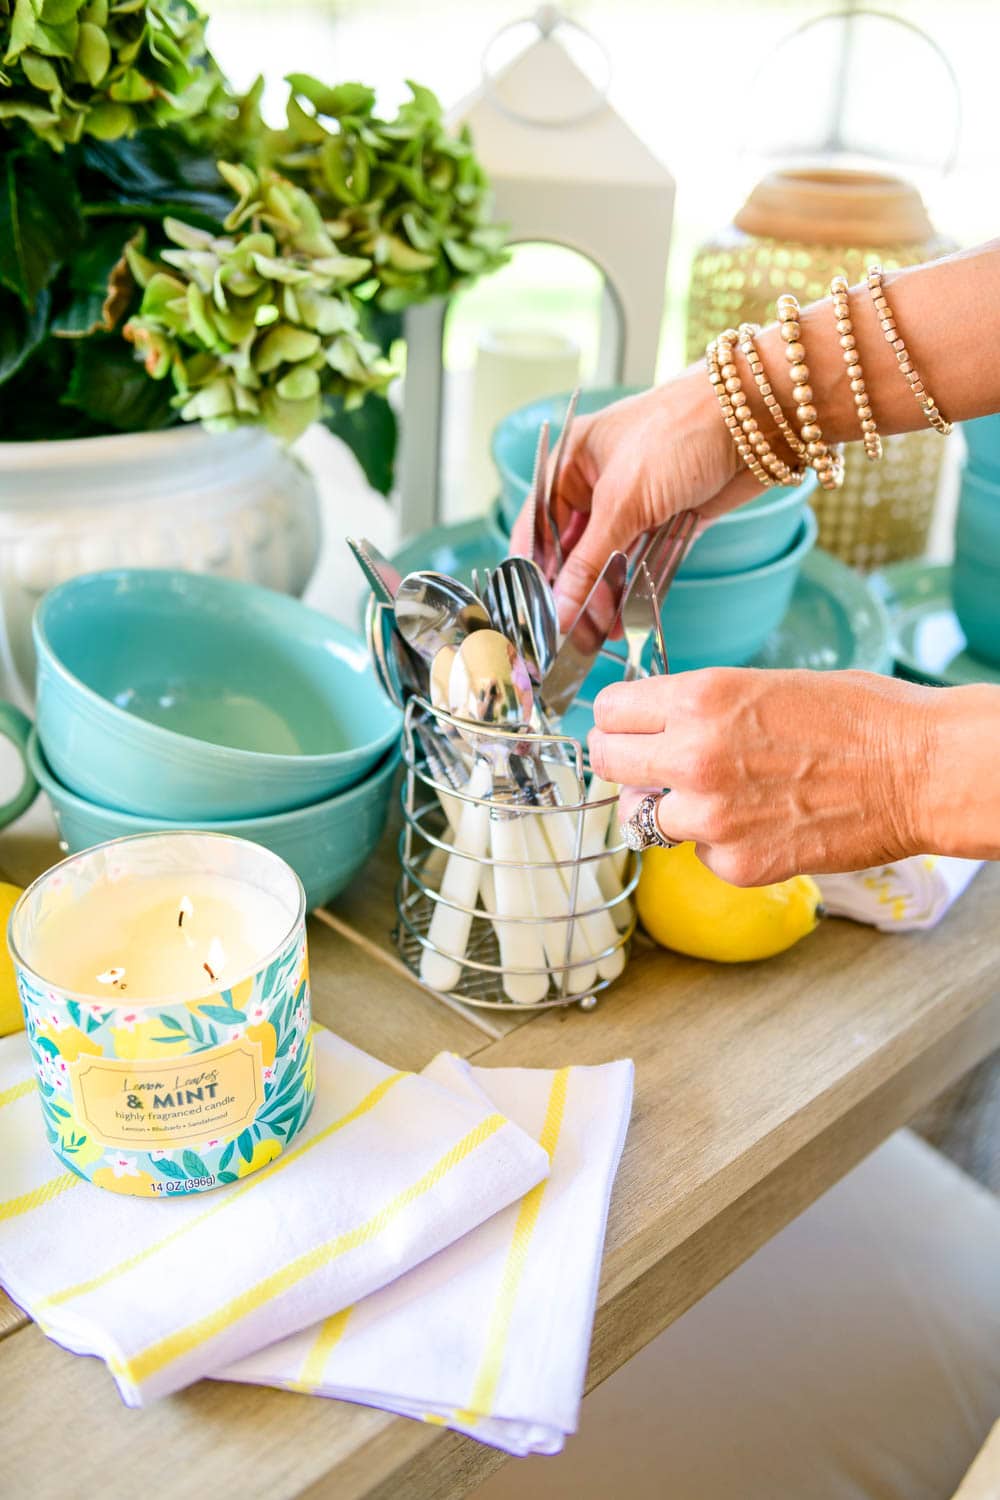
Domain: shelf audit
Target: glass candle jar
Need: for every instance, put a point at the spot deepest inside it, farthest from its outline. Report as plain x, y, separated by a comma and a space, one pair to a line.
165, 986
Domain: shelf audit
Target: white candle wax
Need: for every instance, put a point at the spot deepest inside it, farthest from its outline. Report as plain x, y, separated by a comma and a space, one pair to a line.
149, 937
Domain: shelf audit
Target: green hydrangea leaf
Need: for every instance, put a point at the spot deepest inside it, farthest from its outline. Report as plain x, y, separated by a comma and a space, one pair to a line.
371, 434
93, 53
98, 283
39, 221
285, 344
21, 332
110, 385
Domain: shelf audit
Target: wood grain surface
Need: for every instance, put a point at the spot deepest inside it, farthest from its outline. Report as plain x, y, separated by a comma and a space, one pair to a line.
757, 1087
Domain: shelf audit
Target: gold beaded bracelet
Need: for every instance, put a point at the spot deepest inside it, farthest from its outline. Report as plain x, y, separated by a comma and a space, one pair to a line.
739, 437
883, 311
845, 328
765, 454
826, 460
747, 334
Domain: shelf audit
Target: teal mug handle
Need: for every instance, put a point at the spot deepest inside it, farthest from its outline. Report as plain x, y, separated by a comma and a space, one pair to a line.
16, 727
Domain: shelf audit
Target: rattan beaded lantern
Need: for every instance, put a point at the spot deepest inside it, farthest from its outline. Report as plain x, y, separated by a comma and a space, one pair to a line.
798, 229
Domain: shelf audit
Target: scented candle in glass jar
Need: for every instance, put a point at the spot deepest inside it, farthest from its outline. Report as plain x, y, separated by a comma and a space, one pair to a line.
165, 987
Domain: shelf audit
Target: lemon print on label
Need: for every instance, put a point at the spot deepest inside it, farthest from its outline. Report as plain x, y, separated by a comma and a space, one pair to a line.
263, 1152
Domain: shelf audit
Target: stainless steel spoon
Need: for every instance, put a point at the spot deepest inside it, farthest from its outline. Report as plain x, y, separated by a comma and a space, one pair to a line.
433, 610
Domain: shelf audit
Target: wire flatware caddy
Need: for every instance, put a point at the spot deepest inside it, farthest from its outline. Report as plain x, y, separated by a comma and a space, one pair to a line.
568, 900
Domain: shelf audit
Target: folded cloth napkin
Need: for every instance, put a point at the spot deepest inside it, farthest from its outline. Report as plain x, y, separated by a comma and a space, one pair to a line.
490, 1336
390, 1168
907, 896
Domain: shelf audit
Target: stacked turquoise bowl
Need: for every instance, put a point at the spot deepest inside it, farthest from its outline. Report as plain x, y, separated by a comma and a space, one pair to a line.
172, 700
976, 570
737, 580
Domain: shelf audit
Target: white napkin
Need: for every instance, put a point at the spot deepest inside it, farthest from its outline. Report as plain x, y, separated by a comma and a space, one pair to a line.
491, 1336
390, 1168
907, 896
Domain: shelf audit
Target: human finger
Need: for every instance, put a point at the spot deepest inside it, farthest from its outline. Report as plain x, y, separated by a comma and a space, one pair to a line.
630, 759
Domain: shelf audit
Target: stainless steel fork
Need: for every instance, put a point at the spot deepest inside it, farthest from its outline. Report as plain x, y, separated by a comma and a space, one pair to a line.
662, 556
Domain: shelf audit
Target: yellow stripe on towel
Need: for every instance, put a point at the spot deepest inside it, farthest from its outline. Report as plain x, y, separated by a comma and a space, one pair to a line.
375, 1096
17, 1091
37, 1196
488, 1377
331, 1331
148, 1361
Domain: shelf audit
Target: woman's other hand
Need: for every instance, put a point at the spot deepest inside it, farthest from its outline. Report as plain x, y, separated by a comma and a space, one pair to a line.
776, 773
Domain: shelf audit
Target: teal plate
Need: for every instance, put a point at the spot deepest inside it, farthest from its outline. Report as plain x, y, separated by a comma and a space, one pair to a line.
928, 642
834, 620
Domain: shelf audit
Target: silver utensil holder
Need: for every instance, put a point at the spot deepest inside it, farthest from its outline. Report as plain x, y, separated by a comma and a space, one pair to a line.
432, 799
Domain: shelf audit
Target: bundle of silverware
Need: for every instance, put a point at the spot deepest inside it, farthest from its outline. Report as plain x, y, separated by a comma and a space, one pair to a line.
515, 885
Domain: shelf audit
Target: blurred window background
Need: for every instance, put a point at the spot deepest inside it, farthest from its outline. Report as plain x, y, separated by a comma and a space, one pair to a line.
684, 76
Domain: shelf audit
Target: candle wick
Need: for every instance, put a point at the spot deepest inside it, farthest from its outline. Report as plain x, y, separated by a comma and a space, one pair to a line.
186, 909
208, 971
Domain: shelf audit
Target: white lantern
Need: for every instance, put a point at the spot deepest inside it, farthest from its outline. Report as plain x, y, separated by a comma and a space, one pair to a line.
568, 170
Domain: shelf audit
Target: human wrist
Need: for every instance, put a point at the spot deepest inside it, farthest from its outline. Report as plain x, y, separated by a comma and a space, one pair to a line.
960, 808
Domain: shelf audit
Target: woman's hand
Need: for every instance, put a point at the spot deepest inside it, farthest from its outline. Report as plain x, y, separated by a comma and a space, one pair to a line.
777, 773
629, 468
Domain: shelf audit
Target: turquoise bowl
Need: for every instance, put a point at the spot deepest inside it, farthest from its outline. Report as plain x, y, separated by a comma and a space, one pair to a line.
975, 574
326, 844
181, 696
758, 532
724, 621
982, 443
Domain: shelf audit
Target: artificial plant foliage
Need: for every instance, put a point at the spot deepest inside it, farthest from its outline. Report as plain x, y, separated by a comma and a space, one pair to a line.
257, 323
404, 191
104, 68
142, 284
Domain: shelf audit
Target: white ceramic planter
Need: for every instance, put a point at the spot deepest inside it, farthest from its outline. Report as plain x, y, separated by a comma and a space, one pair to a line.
234, 503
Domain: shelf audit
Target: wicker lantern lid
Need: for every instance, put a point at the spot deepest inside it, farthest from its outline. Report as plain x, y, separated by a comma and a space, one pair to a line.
835, 206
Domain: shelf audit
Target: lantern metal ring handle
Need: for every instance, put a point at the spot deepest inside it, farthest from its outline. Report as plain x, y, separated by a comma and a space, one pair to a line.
547, 20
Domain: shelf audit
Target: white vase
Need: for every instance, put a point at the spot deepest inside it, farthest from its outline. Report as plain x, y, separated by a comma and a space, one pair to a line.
234, 503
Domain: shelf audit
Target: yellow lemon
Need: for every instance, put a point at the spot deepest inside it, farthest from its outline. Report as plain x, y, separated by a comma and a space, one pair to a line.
71, 1041
146, 1039
683, 906
11, 1014
268, 1038
263, 1152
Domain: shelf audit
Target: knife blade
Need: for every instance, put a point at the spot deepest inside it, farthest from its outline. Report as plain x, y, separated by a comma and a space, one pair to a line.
536, 498
661, 664
583, 640
552, 489
383, 578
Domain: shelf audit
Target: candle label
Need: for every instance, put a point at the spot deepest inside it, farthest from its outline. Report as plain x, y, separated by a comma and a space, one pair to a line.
148, 1104
160, 1100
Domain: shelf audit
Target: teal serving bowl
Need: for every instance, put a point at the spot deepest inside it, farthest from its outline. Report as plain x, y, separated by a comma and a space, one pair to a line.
724, 621
758, 532
516, 437
182, 696
975, 574
982, 443
326, 844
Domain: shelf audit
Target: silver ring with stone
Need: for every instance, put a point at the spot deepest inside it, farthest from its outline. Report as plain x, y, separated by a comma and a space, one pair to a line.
641, 830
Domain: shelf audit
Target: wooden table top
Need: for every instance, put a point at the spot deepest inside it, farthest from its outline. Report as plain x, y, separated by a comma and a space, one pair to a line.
757, 1087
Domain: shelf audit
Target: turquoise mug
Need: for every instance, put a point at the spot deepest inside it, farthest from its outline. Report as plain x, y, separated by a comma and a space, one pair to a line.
188, 697
975, 577
15, 726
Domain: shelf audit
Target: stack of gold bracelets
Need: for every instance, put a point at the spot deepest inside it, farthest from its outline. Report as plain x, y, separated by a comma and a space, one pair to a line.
806, 443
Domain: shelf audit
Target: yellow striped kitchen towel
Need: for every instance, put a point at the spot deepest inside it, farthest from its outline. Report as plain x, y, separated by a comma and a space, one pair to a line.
390, 1169
491, 1335
909, 896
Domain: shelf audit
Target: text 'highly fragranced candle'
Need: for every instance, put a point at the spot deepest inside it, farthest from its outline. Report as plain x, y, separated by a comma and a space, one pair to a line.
165, 987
